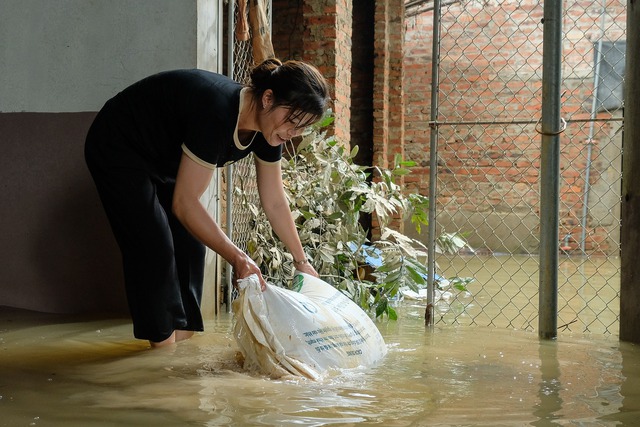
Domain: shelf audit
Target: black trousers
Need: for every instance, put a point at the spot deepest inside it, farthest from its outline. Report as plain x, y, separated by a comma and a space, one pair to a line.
163, 263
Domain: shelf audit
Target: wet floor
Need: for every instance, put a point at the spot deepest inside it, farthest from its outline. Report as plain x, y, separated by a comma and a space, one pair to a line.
57, 371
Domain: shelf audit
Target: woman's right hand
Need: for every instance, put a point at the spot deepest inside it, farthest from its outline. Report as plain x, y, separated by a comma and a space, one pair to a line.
245, 267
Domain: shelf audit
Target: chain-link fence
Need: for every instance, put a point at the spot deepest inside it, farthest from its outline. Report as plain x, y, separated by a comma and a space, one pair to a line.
239, 64
488, 158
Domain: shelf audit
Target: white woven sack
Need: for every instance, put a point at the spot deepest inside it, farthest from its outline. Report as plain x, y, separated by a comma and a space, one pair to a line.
303, 332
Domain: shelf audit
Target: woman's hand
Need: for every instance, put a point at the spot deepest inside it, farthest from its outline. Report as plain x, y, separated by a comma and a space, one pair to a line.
244, 267
307, 268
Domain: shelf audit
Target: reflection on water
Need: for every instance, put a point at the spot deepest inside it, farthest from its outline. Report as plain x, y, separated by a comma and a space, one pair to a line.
58, 372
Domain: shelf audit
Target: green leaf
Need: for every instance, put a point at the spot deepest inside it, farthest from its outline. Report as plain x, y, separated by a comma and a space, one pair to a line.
400, 171
325, 121
307, 215
460, 283
386, 268
407, 163
415, 276
393, 276
336, 215
354, 151
381, 308
460, 287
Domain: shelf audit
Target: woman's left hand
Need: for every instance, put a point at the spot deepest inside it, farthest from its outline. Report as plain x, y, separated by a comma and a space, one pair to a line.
307, 268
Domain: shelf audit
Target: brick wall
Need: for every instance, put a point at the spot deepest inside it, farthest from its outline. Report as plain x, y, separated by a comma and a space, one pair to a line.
319, 32
388, 89
288, 27
359, 49
387, 93
491, 59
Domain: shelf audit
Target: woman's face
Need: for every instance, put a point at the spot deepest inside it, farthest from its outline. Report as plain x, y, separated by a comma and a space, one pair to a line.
274, 124
278, 129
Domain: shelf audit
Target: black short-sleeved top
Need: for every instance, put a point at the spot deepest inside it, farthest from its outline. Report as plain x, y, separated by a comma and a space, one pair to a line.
191, 111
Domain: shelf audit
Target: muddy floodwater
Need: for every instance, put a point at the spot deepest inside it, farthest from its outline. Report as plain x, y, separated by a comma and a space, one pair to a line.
61, 371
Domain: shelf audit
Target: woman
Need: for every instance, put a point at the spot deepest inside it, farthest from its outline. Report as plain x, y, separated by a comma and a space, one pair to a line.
152, 150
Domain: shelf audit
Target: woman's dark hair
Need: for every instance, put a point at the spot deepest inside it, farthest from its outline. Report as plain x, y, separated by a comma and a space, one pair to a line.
296, 85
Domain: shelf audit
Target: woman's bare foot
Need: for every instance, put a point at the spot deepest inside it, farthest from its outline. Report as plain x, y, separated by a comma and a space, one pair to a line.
183, 335
177, 335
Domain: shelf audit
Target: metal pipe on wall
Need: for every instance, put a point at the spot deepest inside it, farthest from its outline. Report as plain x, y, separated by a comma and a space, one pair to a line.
594, 112
551, 126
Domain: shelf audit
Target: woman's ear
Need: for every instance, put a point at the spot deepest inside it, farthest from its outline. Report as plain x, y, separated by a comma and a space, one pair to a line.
267, 98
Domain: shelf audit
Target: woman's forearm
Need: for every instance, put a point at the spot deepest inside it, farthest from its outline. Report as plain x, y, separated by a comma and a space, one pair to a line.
195, 218
191, 182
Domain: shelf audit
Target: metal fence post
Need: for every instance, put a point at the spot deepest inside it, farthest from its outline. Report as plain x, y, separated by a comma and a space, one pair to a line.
229, 168
433, 165
551, 126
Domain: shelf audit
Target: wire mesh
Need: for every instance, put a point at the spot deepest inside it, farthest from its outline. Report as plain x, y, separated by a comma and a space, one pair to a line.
489, 92
242, 171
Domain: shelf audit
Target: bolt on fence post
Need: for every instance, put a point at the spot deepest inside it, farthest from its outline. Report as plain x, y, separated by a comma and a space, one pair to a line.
433, 165
550, 128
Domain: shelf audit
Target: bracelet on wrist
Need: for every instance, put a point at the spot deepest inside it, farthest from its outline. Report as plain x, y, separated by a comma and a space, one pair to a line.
301, 262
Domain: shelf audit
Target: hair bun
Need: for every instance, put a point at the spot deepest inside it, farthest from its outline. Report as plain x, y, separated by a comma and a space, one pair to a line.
270, 64
272, 61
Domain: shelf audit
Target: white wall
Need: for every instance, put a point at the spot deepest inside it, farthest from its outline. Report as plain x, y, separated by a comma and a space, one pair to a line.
60, 60
72, 55
210, 35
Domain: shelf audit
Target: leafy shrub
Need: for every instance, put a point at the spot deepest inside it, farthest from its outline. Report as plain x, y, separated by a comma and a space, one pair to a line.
327, 194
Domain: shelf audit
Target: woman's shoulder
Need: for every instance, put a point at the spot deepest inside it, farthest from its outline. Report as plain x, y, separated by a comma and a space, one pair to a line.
195, 76
196, 87
185, 78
